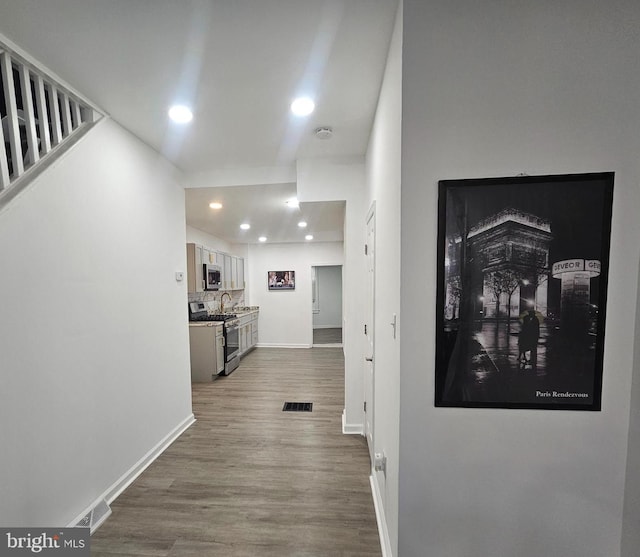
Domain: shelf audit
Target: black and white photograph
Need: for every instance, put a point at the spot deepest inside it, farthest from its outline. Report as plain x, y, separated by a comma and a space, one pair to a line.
281, 280
522, 283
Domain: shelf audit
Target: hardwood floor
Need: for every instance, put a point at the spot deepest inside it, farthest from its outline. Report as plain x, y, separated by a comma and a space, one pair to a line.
327, 336
248, 479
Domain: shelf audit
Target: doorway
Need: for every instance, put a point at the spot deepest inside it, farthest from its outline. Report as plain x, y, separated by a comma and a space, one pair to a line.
326, 297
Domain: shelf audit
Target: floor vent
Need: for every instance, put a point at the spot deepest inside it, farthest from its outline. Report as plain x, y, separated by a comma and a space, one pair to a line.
86, 521
297, 407
95, 517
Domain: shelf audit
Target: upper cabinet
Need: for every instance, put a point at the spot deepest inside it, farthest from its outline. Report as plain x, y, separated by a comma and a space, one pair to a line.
226, 273
211, 257
240, 273
233, 272
232, 268
195, 277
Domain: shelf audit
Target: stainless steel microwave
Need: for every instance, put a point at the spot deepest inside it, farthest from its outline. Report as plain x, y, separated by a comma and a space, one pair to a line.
212, 277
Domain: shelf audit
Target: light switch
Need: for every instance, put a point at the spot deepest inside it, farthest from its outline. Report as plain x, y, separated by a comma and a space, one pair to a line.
179, 276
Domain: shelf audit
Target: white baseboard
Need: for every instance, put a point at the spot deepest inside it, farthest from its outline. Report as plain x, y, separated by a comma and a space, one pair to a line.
275, 345
351, 429
383, 532
130, 475
328, 345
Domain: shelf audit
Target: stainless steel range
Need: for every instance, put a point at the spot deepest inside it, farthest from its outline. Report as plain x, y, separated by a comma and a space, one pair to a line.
198, 312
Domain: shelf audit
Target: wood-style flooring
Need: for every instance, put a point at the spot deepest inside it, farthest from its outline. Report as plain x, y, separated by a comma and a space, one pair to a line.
327, 336
249, 480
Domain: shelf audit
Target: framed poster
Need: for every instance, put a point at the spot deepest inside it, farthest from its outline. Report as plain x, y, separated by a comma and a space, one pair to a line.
522, 290
281, 280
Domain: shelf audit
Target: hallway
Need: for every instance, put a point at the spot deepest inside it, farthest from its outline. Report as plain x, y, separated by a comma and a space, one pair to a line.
327, 336
248, 479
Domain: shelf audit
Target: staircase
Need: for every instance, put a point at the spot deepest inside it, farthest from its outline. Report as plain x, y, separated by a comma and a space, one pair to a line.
40, 117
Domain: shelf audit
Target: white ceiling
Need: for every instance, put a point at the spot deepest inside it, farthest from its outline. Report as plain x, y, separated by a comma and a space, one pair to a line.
239, 63
264, 208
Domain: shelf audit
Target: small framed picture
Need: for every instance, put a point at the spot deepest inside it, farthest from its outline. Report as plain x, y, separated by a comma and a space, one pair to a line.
281, 280
522, 291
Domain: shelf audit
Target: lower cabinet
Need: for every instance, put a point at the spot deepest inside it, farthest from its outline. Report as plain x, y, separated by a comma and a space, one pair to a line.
206, 343
243, 339
248, 332
220, 349
254, 330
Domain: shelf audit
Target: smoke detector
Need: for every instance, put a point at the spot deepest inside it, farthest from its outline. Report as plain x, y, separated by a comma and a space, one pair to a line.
324, 132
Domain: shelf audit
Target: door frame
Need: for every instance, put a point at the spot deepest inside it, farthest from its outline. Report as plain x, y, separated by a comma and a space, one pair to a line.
313, 271
369, 352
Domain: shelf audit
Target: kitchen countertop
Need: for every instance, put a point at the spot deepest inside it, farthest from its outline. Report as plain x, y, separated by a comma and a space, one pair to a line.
245, 310
241, 312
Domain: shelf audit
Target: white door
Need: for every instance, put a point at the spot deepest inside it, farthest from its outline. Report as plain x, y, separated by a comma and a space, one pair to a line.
369, 363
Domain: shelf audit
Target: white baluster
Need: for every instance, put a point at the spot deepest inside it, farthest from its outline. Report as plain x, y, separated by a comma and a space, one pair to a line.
32, 154
10, 124
43, 122
55, 115
67, 128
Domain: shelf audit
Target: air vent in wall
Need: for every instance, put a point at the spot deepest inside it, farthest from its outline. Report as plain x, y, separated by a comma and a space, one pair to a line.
86, 521
95, 517
297, 407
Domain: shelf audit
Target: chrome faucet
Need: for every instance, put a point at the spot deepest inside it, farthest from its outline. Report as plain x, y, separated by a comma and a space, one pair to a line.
222, 302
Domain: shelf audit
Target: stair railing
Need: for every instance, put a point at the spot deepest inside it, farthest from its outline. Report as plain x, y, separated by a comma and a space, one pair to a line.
38, 116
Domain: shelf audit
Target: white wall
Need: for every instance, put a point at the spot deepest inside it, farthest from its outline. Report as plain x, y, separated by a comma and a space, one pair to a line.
630, 530
495, 89
286, 316
383, 188
202, 238
329, 289
93, 334
337, 180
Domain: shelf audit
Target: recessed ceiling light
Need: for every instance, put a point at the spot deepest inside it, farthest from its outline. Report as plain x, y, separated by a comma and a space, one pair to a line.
215, 205
308, 237
293, 202
180, 114
302, 224
302, 106
262, 239
245, 226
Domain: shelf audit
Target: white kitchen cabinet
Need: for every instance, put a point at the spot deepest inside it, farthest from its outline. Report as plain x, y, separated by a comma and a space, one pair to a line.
226, 272
232, 268
254, 330
247, 337
244, 327
234, 273
206, 255
242, 337
212, 257
206, 349
219, 348
240, 273
248, 331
